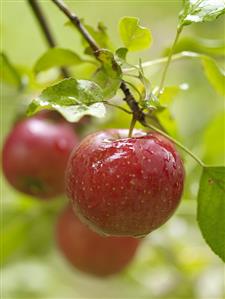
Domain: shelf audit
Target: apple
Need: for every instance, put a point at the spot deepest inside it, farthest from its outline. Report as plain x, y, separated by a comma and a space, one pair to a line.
55, 117
125, 186
88, 251
51, 116
35, 155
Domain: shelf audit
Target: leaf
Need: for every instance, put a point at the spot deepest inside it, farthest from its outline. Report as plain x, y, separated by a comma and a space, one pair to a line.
56, 57
148, 100
9, 73
197, 11
100, 35
13, 236
214, 74
134, 36
214, 146
109, 76
214, 47
72, 98
20, 233
108, 84
164, 114
170, 92
211, 208
120, 55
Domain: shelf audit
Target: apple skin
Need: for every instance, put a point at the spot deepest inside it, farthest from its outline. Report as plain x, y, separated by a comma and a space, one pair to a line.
88, 251
35, 155
125, 186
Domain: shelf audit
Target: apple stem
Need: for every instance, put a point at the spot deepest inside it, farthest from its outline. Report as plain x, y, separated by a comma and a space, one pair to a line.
184, 148
132, 125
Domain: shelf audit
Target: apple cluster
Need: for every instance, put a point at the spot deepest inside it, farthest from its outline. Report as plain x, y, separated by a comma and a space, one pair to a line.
120, 188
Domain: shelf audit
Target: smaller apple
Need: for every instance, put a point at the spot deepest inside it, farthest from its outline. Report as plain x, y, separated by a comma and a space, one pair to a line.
35, 155
90, 252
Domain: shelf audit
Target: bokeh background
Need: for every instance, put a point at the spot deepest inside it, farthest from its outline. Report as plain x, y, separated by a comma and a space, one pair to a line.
174, 261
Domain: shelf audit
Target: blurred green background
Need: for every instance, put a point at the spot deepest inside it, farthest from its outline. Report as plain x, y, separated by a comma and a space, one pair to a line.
174, 261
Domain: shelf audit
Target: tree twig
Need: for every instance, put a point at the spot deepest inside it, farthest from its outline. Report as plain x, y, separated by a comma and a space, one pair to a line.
129, 98
138, 114
76, 21
45, 29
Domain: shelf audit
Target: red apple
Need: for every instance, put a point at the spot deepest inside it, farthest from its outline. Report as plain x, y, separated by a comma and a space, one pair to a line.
35, 155
125, 186
51, 115
90, 252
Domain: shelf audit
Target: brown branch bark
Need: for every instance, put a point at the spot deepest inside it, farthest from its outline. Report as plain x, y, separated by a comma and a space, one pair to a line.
129, 99
45, 29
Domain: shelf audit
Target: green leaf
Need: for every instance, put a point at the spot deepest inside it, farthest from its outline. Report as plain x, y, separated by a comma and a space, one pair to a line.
148, 100
9, 73
20, 233
170, 92
214, 74
211, 208
109, 63
197, 11
120, 55
100, 35
108, 84
72, 98
212, 47
134, 36
164, 113
214, 146
13, 235
56, 57
109, 76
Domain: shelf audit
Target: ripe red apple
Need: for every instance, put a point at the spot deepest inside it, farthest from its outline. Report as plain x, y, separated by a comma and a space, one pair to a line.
125, 186
51, 115
90, 252
55, 117
35, 155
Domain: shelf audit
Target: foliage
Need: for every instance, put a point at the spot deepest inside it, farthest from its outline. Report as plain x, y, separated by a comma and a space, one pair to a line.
134, 36
211, 207
197, 11
9, 73
75, 98
72, 98
56, 57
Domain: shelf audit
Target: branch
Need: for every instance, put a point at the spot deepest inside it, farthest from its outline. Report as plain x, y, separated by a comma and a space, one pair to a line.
129, 98
132, 103
76, 21
45, 29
